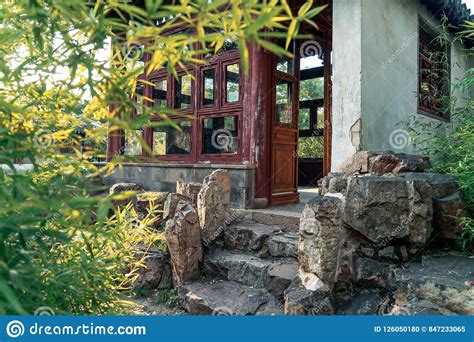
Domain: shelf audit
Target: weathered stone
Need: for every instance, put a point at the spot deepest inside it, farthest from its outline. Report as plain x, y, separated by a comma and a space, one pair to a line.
244, 268
247, 235
334, 182
171, 203
183, 238
283, 245
447, 213
383, 162
320, 229
214, 204
411, 163
441, 185
363, 303
439, 283
190, 190
387, 252
385, 208
227, 298
120, 188
156, 272
300, 301
373, 273
280, 276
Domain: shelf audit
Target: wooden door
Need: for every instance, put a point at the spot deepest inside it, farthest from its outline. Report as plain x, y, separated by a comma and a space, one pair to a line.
284, 161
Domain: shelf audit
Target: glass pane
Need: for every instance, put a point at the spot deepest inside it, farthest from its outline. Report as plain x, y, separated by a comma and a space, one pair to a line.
312, 89
169, 140
132, 144
183, 92
283, 102
209, 87
220, 135
232, 82
311, 61
311, 147
159, 93
320, 118
286, 64
139, 98
304, 122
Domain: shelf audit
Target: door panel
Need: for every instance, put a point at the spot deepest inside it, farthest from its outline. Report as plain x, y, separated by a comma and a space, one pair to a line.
284, 165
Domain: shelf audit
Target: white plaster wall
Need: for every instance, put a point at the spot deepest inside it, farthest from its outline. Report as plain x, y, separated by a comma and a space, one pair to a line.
347, 68
375, 72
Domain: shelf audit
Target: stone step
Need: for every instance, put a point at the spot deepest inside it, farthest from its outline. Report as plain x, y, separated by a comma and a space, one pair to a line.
273, 274
286, 220
248, 235
227, 298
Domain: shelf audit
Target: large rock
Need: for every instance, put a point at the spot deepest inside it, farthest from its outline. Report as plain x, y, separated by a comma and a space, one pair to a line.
227, 298
386, 208
283, 245
439, 284
447, 213
156, 272
298, 300
382, 162
171, 203
280, 276
190, 190
320, 230
248, 236
373, 273
334, 182
214, 205
183, 238
441, 185
244, 268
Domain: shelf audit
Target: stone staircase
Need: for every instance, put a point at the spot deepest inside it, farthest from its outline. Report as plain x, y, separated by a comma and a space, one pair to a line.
246, 274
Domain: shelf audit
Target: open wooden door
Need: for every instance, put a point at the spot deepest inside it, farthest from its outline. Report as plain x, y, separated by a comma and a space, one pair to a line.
284, 135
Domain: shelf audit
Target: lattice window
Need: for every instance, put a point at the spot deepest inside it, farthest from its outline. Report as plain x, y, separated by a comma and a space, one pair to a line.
433, 86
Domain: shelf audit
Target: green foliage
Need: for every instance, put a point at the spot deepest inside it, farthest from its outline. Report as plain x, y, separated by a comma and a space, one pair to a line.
59, 245
451, 144
168, 297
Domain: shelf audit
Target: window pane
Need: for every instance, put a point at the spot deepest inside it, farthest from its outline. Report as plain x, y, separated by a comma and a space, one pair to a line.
209, 87
312, 89
139, 98
220, 135
182, 98
132, 144
232, 82
169, 140
311, 147
159, 93
311, 61
283, 102
304, 115
320, 118
287, 64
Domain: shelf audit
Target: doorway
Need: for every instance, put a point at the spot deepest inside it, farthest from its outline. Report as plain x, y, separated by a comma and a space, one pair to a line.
301, 124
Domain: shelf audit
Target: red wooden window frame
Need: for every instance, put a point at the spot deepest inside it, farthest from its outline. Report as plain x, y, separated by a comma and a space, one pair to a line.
197, 113
432, 71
